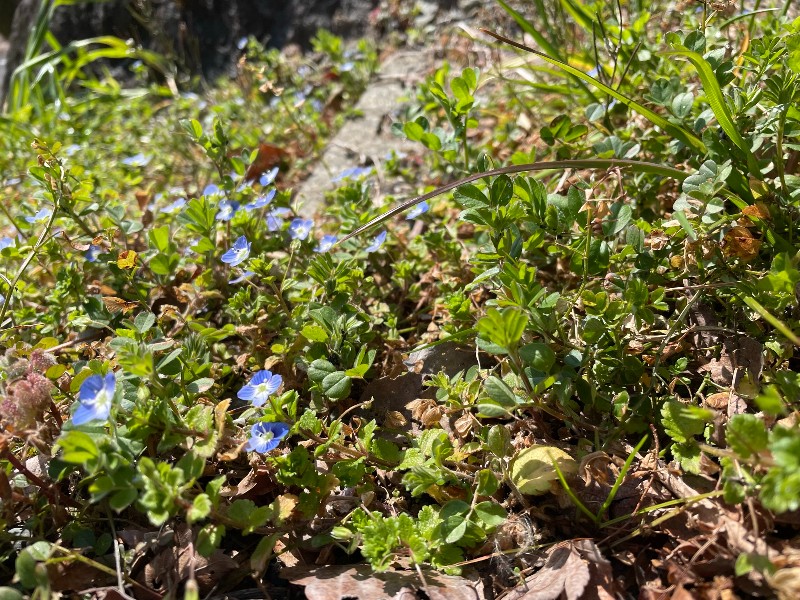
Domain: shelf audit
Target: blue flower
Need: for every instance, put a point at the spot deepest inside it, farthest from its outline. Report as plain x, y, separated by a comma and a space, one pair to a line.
174, 206
268, 177
377, 242
238, 253
274, 218
261, 386
211, 190
227, 208
353, 172
138, 160
92, 253
6, 242
242, 277
300, 228
266, 436
96, 395
420, 208
326, 243
40, 216
261, 201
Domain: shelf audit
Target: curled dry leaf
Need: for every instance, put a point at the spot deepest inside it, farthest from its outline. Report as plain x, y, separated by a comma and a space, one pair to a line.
739, 242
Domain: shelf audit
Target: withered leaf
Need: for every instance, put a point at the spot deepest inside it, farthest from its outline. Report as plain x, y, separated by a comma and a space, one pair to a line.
739, 242
359, 582
565, 571
115, 305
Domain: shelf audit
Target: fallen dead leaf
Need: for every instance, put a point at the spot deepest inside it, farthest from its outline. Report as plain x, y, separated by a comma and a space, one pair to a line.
739, 242
564, 572
360, 582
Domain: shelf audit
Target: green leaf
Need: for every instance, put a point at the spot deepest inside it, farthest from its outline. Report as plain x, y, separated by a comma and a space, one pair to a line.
680, 216
500, 392
682, 422
201, 508
209, 538
538, 356
336, 385
503, 328
320, 369
490, 515
78, 447
746, 435
198, 386
487, 483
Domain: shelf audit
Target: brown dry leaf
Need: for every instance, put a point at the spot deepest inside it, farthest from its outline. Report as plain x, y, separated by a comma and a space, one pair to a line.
739, 242
176, 562
721, 370
115, 304
756, 211
786, 583
718, 400
565, 571
360, 582
142, 198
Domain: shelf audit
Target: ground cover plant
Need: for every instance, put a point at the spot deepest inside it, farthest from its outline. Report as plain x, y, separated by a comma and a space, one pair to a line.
567, 368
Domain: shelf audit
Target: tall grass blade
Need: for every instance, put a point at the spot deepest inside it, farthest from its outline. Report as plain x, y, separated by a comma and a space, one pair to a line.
717, 102
541, 40
589, 163
684, 135
580, 13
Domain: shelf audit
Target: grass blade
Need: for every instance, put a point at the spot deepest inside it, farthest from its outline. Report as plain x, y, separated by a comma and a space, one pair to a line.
717, 102
589, 163
542, 41
684, 135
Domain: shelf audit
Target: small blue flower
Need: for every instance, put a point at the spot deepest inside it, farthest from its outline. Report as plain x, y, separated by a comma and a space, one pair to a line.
275, 218
96, 395
300, 228
174, 206
353, 172
92, 253
40, 216
266, 436
241, 43
227, 208
260, 387
211, 189
138, 160
268, 177
345, 67
326, 243
377, 242
238, 253
420, 208
242, 277
6, 242
261, 201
